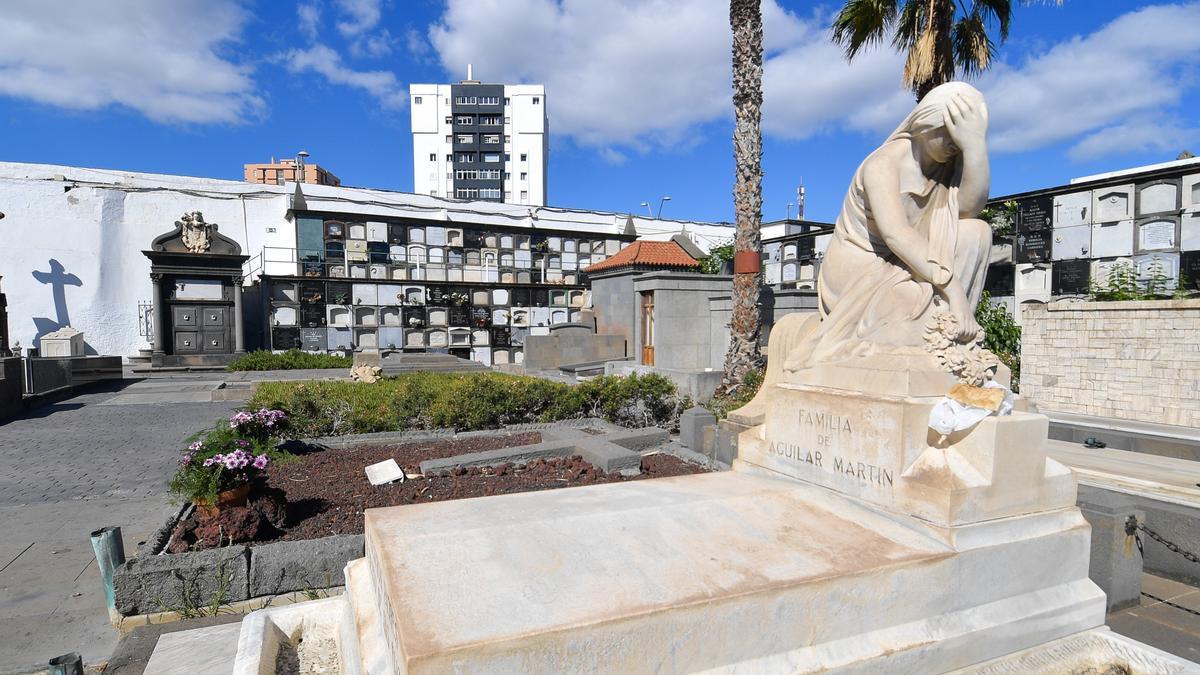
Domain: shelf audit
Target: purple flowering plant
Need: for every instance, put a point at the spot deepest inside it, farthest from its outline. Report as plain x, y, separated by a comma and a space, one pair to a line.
229, 455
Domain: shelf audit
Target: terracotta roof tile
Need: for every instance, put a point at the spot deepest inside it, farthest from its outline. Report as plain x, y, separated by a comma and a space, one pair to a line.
642, 253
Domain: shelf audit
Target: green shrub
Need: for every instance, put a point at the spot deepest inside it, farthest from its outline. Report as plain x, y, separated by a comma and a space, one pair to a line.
721, 406
1001, 335
292, 359
467, 401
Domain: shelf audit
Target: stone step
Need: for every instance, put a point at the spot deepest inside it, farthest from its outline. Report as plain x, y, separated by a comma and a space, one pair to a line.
373, 652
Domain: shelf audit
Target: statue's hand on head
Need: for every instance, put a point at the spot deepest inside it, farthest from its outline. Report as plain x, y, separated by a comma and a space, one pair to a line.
966, 123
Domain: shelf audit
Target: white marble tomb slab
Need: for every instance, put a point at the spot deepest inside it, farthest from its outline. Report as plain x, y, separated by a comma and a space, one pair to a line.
365, 294
1189, 232
1073, 209
1101, 269
1072, 242
1158, 197
1112, 203
1110, 239
377, 231
1157, 233
1032, 282
1190, 193
840, 586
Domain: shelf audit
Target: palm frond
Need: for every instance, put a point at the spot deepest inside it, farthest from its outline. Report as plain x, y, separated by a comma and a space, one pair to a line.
999, 11
910, 24
973, 47
863, 23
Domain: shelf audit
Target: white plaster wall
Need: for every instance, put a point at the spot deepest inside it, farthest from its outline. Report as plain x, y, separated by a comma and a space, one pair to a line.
94, 236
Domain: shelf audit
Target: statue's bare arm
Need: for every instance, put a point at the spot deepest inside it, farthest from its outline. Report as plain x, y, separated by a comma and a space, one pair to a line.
881, 178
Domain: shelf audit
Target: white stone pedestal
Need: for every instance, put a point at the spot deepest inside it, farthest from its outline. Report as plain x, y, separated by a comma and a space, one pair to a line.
848, 538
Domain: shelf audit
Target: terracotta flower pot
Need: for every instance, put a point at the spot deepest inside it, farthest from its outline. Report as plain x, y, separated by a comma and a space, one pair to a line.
227, 499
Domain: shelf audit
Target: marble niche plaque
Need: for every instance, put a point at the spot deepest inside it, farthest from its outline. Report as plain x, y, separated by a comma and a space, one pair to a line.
1070, 277
1112, 239
1035, 214
1158, 197
1073, 209
1072, 242
1033, 246
1189, 232
1163, 266
1112, 203
1189, 269
1156, 234
1190, 193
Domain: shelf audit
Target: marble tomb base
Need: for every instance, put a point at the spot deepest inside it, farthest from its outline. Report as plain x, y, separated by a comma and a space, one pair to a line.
937, 555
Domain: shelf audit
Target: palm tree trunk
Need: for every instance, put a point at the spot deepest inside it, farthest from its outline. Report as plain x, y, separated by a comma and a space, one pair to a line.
745, 18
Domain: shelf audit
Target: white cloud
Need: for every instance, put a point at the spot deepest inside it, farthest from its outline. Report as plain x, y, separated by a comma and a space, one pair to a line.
644, 74
166, 60
363, 15
671, 58
373, 45
1127, 76
310, 19
1151, 133
380, 84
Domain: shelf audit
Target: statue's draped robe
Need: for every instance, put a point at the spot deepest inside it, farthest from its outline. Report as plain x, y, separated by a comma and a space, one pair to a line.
869, 300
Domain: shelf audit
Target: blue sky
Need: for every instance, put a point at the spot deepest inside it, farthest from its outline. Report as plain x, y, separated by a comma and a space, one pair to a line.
638, 92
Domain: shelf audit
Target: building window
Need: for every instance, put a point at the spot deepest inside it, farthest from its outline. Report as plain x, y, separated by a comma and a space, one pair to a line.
489, 174
524, 195
489, 100
449, 119
466, 138
490, 120
507, 157
449, 175
536, 100
524, 157
506, 101
489, 193
491, 139
433, 156
507, 175
433, 193
279, 176
467, 193
464, 100
507, 195
508, 139
449, 158
508, 120
417, 100
466, 158
491, 157
449, 138
466, 120
524, 176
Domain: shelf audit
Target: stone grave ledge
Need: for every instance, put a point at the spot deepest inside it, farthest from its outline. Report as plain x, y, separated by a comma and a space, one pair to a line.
616, 450
153, 582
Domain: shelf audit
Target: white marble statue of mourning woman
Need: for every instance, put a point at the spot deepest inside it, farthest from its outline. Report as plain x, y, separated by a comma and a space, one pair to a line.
907, 245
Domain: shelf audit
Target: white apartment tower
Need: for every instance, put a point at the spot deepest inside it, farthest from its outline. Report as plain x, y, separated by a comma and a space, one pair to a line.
480, 141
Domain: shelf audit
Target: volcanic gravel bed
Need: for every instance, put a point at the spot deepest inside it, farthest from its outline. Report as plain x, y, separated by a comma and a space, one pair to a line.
327, 492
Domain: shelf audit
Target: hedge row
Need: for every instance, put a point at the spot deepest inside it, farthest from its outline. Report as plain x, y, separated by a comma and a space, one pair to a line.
467, 401
293, 359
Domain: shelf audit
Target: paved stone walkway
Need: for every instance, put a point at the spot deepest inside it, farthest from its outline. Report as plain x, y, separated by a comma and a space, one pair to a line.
69, 468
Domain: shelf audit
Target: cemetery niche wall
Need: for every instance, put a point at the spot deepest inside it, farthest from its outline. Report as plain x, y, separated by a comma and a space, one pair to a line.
196, 274
1069, 239
409, 285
